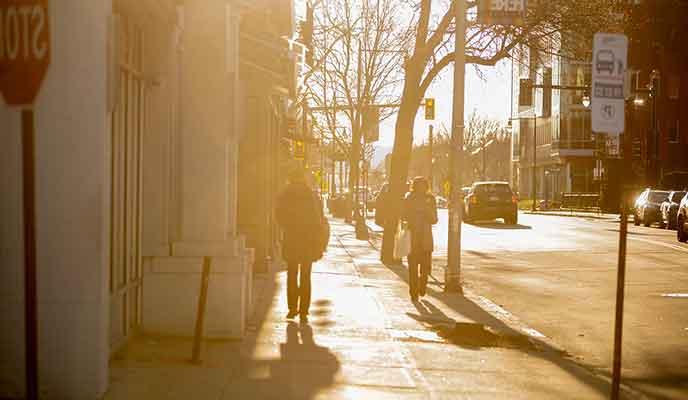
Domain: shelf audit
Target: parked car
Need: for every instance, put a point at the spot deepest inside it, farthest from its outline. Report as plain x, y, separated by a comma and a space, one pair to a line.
669, 209
682, 220
646, 209
491, 200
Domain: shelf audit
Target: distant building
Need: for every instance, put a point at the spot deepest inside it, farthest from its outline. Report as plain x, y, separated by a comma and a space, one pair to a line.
657, 138
556, 120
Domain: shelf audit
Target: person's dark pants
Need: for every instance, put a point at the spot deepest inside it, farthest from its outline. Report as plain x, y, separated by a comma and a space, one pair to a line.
420, 261
299, 287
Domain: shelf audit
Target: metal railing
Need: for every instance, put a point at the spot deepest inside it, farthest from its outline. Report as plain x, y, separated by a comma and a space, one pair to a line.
580, 201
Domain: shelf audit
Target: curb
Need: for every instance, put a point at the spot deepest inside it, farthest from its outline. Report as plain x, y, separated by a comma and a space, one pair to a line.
566, 214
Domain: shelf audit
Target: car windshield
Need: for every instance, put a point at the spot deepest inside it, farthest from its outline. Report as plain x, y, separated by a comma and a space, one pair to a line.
657, 197
676, 198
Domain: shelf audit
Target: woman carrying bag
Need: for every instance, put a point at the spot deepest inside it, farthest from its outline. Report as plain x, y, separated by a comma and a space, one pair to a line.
420, 213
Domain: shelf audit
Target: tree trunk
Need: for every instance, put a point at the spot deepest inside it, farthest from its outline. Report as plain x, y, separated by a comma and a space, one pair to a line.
354, 159
401, 156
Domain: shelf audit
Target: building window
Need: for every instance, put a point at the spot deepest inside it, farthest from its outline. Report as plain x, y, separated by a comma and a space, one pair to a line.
547, 93
674, 87
674, 132
515, 145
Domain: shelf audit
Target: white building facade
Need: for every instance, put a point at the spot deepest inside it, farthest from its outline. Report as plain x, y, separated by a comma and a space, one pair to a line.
138, 142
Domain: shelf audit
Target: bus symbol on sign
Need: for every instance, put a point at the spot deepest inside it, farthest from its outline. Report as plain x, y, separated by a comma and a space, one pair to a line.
610, 51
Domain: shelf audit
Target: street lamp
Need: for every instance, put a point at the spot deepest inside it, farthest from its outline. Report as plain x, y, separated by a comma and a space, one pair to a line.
586, 101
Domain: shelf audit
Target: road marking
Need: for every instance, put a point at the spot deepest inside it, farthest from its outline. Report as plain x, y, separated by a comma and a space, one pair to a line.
676, 295
667, 245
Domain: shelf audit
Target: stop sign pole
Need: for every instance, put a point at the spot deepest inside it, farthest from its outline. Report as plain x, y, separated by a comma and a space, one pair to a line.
24, 60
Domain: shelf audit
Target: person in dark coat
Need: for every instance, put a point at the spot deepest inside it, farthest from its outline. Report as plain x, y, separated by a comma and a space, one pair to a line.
300, 214
420, 213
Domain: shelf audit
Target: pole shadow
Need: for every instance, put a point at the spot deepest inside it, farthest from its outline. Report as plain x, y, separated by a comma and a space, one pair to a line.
471, 336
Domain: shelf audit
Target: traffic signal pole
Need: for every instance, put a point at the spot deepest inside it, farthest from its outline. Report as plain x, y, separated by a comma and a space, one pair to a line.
533, 189
452, 273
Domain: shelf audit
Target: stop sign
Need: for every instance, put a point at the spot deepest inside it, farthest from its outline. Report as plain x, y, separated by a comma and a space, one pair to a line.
24, 49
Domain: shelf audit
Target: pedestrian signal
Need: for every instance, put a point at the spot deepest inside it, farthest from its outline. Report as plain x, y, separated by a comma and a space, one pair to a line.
429, 109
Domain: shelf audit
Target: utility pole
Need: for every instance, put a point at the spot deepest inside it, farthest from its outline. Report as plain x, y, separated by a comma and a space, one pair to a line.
482, 150
452, 273
431, 139
533, 189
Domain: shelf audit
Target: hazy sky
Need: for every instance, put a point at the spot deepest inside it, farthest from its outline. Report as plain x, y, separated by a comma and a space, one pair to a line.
487, 95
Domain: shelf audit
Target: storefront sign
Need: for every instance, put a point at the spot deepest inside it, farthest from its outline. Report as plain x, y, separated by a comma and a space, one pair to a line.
502, 12
24, 49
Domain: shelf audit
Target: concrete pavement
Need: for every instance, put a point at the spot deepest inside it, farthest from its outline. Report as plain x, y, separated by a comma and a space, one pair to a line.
558, 274
365, 340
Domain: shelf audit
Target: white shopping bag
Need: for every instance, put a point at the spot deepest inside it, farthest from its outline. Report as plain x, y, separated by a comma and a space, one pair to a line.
402, 242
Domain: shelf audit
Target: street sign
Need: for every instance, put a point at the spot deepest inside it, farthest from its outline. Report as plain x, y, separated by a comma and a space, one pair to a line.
24, 49
502, 12
609, 64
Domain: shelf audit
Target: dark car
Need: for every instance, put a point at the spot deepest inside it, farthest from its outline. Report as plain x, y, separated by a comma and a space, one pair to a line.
669, 209
682, 220
491, 200
647, 207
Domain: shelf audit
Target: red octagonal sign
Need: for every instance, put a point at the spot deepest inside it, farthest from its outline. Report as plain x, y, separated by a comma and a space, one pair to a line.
24, 49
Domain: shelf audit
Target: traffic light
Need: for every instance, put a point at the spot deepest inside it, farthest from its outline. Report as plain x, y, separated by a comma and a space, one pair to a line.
429, 109
299, 150
306, 34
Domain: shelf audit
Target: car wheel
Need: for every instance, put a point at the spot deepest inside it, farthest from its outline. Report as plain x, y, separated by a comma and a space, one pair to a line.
646, 221
680, 231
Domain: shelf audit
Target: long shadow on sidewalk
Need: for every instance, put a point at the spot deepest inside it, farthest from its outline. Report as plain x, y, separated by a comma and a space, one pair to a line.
497, 334
506, 336
303, 369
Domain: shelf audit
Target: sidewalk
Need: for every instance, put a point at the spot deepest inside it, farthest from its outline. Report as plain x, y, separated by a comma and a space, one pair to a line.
573, 213
365, 340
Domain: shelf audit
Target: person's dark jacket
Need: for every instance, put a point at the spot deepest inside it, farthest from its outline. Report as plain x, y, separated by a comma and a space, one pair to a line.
420, 212
300, 214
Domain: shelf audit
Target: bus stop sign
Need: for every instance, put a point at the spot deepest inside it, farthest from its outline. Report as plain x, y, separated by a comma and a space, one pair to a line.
608, 74
24, 49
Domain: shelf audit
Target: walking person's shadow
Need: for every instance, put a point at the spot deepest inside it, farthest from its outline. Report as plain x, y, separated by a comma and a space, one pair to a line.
303, 369
304, 366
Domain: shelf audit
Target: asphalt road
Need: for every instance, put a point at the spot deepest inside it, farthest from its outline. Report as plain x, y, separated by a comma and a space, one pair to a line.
558, 275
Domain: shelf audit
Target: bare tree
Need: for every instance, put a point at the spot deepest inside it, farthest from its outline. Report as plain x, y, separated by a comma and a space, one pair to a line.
479, 133
432, 51
359, 57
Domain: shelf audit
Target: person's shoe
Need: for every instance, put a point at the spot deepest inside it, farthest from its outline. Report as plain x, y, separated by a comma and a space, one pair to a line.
421, 293
292, 314
303, 318
414, 298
